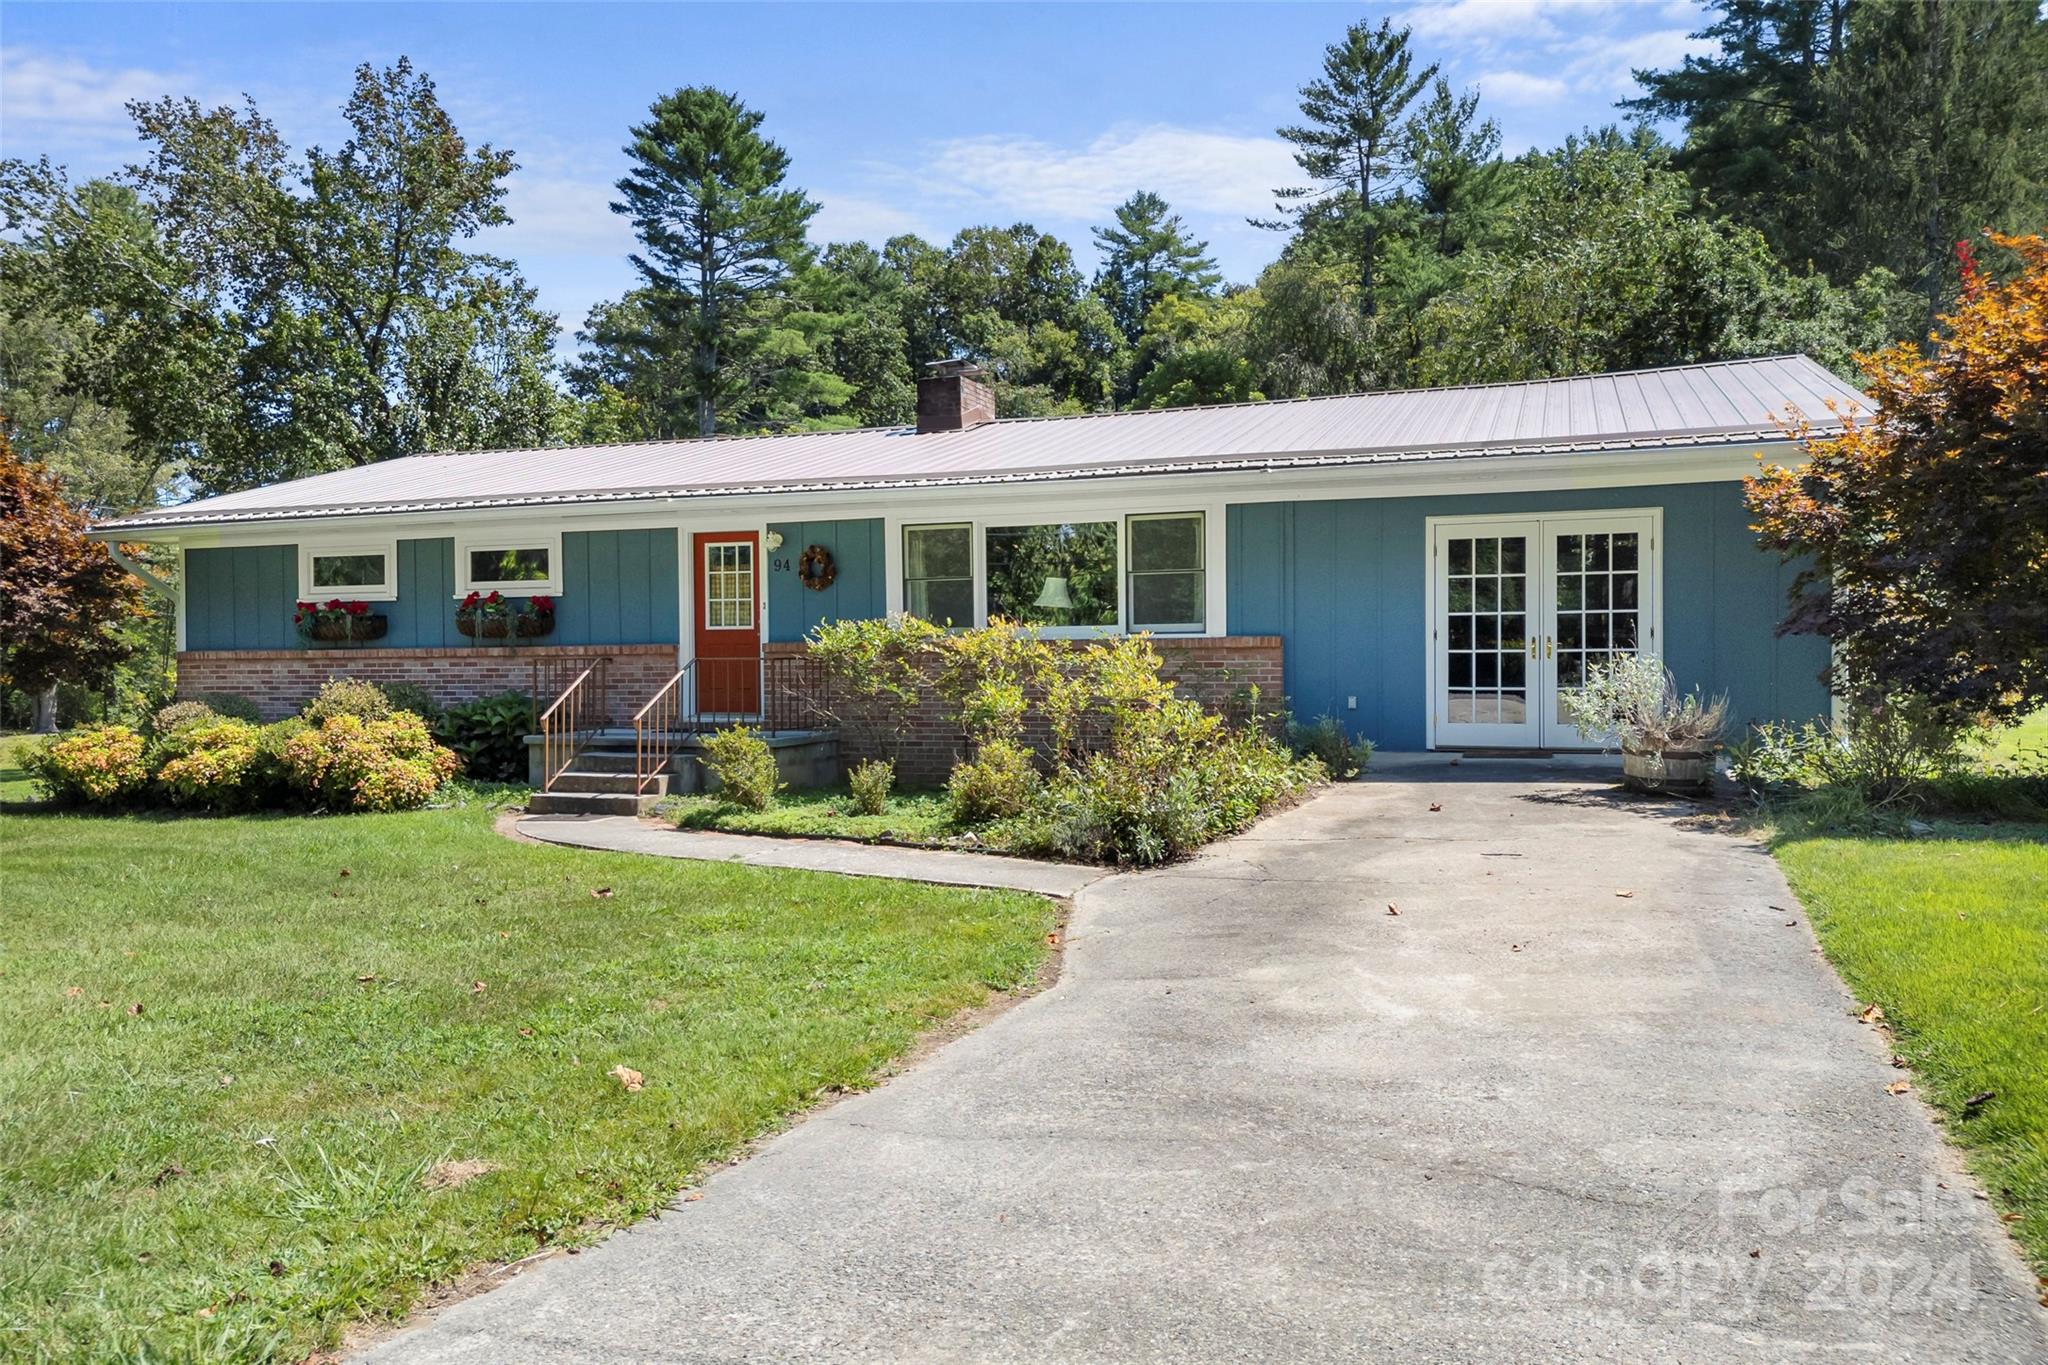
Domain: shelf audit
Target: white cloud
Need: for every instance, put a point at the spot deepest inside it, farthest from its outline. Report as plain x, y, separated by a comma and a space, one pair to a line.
43, 93
1024, 177
1479, 21
1607, 65
855, 218
1520, 87
566, 215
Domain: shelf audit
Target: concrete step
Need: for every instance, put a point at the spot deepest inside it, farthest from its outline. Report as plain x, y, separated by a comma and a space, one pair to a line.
588, 803
579, 780
606, 761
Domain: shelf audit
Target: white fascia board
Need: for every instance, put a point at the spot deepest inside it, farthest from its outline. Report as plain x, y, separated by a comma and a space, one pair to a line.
1106, 493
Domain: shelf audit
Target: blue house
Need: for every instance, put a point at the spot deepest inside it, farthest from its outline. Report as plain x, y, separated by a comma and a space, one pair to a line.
1434, 567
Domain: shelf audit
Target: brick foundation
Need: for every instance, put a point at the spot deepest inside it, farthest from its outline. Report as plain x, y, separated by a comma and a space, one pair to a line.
280, 680
1216, 671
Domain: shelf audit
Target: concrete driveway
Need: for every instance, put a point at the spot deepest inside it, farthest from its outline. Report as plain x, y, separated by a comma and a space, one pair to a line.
1262, 1117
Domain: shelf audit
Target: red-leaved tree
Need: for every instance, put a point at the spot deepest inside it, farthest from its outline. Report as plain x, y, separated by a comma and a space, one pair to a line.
61, 594
1925, 525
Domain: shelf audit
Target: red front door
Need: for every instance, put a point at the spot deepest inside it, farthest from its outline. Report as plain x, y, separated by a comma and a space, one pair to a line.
728, 624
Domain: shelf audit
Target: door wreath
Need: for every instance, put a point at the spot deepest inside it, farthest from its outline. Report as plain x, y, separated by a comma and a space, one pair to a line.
816, 568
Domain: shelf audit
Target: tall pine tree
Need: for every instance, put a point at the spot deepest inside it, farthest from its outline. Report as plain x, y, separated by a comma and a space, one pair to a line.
720, 236
1146, 255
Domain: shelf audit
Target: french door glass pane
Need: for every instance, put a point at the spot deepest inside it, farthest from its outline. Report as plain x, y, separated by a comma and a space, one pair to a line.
1486, 633
1598, 604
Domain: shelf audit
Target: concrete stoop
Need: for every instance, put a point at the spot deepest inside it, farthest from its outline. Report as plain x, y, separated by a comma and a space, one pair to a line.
600, 780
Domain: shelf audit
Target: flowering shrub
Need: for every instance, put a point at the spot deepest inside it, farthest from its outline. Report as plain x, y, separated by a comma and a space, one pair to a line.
174, 717
212, 765
346, 697
350, 763
98, 765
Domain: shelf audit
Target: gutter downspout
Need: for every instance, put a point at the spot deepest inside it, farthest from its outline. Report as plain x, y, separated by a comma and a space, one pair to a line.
140, 571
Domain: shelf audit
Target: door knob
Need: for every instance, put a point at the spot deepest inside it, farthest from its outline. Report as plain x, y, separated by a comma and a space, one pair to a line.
1547, 648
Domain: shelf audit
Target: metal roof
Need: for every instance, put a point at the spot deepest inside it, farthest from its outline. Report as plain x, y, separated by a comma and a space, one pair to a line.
1684, 406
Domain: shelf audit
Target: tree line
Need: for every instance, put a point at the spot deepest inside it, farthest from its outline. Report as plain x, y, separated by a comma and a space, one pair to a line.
228, 311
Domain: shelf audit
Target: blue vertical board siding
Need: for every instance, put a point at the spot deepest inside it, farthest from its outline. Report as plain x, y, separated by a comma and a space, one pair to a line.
859, 593
1344, 582
423, 617
241, 597
618, 588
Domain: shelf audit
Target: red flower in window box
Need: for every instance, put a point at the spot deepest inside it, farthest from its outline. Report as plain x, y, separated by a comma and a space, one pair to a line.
336, 622
494, 616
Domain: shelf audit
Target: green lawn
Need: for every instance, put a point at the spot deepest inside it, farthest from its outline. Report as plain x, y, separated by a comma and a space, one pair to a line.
14, 783
1950, 935
913, 817
238, 1050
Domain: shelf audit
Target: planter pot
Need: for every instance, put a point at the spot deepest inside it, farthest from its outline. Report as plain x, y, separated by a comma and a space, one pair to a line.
353, 630
484, 627
1672, 771
533, 627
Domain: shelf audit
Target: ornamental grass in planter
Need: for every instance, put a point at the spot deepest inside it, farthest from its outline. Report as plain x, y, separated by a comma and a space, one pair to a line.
335, 622
1667, 740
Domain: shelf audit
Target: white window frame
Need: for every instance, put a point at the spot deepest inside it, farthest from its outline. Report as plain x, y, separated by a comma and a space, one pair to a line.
1201, 567
509, 539
902, 559
386, 591
1074, 506
753, 575
983, 525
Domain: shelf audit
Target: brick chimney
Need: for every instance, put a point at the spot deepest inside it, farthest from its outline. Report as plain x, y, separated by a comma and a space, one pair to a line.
953, 396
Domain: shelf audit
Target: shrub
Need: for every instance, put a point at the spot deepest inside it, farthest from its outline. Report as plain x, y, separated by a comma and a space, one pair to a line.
270, 781
489, 735
410, 696
352, 763
96, 765
1633, 699
876, 671
346, 697
214, 765
1111, 809
233, 705
993, 785
1331, 744
870, 782
744, 766
1901, 752
170, 719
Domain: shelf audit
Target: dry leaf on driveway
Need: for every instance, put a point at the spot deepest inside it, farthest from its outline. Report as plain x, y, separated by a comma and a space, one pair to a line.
1626, 895
627, 1077
1898, 1087
1393, 909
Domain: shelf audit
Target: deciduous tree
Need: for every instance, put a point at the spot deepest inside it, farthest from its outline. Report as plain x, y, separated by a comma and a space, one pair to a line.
1924, 528
62, 597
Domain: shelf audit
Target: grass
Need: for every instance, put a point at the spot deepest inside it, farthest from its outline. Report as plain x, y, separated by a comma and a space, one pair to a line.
14, 783
239, 1050
912, 817
1946, 932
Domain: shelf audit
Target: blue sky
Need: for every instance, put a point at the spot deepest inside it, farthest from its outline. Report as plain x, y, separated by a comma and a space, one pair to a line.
920, 118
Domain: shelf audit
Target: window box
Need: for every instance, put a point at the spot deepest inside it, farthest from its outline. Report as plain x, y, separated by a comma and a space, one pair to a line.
336, 622
494, 616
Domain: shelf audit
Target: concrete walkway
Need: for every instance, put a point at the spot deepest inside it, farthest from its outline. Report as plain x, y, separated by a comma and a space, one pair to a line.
1263, 1117
627, 834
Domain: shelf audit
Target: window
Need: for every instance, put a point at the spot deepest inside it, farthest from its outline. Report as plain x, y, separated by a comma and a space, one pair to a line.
1169, 585
525, 566
729, 585
938, 574
1055, 575
356, 572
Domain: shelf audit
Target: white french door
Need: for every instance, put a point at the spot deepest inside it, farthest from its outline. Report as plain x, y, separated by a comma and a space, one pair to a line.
1520, 608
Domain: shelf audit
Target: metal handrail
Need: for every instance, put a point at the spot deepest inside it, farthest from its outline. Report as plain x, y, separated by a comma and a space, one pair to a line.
561, 727
657, 728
